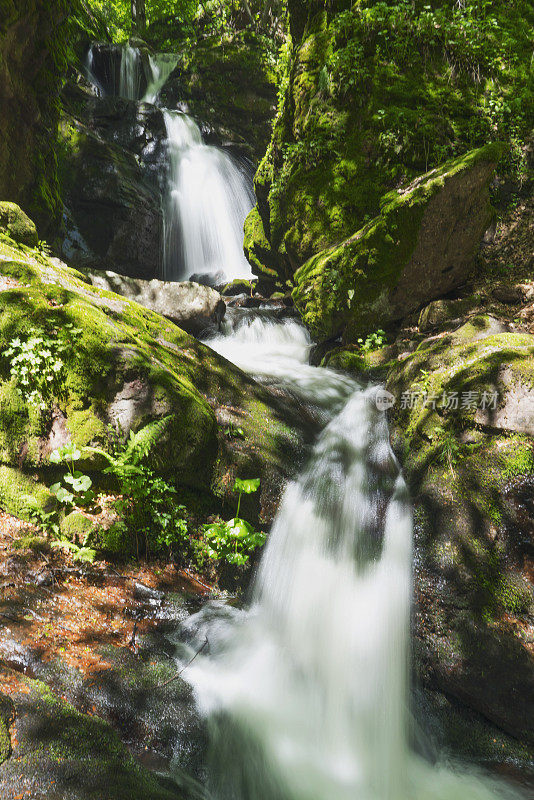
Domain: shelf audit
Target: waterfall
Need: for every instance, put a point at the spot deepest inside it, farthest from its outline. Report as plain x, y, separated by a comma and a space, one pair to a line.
208, 199
130, 73
160, 67
208, 194
89, 70
306, 692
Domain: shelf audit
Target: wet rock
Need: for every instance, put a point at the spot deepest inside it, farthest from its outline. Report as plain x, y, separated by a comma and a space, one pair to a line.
62, 753
189, 305
236, 287
17, 225
145, 593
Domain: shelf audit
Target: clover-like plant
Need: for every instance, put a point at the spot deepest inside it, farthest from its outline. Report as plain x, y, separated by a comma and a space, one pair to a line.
234, 540
74, 487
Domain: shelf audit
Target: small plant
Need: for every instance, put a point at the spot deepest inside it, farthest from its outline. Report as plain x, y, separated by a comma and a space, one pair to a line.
233, 432
234, 540
46, 521
149, 504
75, 487
373, 341
81, 553
43, 248
37, 363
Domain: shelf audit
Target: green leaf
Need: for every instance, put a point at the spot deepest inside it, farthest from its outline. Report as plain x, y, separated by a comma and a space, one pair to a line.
247, 486
62, 494
56, 457
239, 528
79, 482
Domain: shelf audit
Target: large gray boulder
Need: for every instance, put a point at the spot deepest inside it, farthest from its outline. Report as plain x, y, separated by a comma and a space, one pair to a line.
189, 305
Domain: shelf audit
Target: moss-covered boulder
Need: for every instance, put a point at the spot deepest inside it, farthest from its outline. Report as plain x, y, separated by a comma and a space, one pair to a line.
463, 427
114, 365
17, 225
422, 245
62, 754
375, 94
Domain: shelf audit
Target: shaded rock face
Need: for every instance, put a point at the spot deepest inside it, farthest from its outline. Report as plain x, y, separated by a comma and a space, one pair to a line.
470, 466
114, 160
112, 172
230, 89
421, 246
29, 110
62, 753
189, 305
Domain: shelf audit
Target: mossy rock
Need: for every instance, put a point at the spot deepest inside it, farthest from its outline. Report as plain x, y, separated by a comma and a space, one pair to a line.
62, 753
76, 527
17, 225
422, 245
470, 470
368, 101
21, 494
256, 246
126, 368
7, 713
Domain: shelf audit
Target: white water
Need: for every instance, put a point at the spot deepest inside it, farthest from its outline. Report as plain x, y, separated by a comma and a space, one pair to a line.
130, 74
161, 65
90, 73
208, 200
306, 692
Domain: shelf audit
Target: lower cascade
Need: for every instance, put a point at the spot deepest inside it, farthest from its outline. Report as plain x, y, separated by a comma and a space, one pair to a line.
306, 691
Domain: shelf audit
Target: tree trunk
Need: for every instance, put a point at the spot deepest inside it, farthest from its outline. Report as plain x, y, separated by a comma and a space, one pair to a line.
138, 17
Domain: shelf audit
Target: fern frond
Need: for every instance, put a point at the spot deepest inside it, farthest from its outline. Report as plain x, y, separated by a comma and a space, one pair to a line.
141, 443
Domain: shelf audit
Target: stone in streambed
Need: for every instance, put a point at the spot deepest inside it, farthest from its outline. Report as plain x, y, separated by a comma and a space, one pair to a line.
189, 305
60, 753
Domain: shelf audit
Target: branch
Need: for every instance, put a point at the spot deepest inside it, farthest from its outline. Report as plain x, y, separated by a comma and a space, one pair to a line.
177, 675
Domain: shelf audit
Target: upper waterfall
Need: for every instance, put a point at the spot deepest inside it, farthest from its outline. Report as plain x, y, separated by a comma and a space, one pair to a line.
208, 198
160, 67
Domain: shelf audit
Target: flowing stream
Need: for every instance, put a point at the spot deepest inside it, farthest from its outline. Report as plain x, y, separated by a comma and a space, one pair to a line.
306, 691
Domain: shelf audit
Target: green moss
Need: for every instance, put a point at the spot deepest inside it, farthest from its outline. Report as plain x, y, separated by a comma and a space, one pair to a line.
20, 494
518, 458
73, 748
349, 288
127, 367
17, 225
256, 245
6, 717
371, 98
31, 542
76, 527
